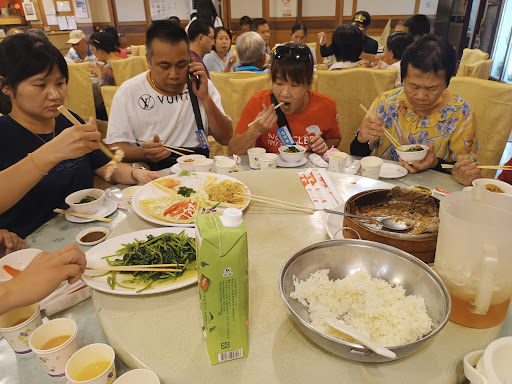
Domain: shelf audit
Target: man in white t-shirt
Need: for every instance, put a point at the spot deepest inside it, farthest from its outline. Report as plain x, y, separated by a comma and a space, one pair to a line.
156, 105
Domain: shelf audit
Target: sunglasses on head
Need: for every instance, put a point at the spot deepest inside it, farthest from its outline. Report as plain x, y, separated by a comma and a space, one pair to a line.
297, 53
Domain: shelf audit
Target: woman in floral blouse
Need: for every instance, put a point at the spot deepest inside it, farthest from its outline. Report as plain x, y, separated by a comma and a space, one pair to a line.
423, 112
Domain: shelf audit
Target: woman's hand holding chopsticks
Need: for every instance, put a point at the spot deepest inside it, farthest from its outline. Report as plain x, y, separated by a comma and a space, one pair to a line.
265, 120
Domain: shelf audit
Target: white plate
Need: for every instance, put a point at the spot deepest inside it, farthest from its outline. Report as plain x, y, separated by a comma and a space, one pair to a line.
149, 191
176, 168
334, 223
392, 171
18, 260
108, 207
285, 164
109, 247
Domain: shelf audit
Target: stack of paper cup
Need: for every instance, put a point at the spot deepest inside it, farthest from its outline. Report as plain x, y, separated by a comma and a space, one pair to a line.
18, 325
268, 161
54, 343
254, 156
337, 161
370, 166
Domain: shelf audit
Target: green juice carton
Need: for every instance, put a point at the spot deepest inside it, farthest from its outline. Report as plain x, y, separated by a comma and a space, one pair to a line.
222, 271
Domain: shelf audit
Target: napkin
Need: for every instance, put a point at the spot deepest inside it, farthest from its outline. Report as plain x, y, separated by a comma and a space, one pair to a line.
318, 161
65, 297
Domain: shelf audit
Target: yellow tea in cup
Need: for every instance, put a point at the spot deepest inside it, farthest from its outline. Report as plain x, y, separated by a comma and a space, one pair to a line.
55, 342
92, 370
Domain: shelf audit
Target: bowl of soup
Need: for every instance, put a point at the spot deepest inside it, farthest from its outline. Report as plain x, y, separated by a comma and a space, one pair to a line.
292, 153
412, 152
86, 201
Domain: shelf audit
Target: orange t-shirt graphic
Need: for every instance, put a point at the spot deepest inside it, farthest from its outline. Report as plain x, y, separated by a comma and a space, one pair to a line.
319, 118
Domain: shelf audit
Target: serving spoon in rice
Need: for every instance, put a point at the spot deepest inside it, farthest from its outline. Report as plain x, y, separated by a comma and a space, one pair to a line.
352, 332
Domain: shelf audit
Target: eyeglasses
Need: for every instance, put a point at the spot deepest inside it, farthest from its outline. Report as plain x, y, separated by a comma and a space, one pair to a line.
297, 53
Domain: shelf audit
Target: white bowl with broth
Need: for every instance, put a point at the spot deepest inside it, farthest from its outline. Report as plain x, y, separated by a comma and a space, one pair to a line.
73, 200
187, 162
292, 157
494, 185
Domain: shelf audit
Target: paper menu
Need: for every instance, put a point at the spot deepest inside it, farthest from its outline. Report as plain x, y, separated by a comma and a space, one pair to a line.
320, 188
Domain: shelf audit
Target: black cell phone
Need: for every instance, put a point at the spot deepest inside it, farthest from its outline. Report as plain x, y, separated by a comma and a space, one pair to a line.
197, 79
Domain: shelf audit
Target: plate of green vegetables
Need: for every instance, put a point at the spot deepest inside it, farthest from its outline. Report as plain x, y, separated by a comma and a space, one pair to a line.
144, 262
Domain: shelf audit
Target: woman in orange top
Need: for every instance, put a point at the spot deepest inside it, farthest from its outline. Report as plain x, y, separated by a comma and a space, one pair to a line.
311, 117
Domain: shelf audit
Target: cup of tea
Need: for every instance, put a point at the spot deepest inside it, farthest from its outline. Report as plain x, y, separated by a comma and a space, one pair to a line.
370, 167
17, 327
268, 161
54, 343
94, 363
337, 161
138, 376
254, 156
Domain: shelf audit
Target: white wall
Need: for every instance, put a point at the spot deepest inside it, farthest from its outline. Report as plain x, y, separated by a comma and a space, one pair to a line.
130, 10
386, 7
98, 11
347, 7
251, 8
317, 8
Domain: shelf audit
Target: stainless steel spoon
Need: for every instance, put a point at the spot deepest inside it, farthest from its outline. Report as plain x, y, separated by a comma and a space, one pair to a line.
387, 222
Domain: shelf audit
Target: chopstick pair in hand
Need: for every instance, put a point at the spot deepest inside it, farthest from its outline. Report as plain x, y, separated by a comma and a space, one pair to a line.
393, 141
256, 120
169, 147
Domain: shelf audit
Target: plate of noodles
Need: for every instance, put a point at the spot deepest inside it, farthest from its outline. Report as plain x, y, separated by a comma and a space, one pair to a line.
175, 200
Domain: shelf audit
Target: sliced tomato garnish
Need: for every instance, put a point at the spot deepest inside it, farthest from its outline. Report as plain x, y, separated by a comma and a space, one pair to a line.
172, 183
183, 210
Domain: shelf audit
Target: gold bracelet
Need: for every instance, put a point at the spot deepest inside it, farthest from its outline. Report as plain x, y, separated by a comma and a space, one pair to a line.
30, 156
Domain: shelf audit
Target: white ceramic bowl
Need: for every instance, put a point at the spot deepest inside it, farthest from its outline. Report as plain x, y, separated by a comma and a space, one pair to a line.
413, 156
505, 187
292, 157
18, 260
187, 162
89, 230
87, 208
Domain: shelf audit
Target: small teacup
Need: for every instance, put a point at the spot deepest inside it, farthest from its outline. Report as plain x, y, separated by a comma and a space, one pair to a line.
370, 167
268, 161
337, 161
93, 364
254, 156
225, 166
17, 327
138, 376
54, 343
203, 165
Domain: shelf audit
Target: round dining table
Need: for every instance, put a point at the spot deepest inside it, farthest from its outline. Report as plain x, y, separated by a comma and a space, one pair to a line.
162, 332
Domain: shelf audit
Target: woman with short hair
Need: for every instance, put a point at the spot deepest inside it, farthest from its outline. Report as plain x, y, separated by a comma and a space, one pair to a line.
43, 156
347, 43
220, 59
103, 46
299, 36
311, 117
423, 111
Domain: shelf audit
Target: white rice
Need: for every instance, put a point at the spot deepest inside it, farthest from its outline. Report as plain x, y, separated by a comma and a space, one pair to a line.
370, 305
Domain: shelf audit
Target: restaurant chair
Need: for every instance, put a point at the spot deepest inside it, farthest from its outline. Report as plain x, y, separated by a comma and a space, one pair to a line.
481, 69
470, 56
492, 107
127, 68
80, 97
242, 90
138, 50
349, 88
108, 92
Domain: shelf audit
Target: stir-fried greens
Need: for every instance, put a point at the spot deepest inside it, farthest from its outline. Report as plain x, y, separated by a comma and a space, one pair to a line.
86, 199
168, 248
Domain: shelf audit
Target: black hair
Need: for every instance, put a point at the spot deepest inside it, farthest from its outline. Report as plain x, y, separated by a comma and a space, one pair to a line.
255, 23
206, 11
430, 54
23, 56
290, 69
398, 42
164, 30
198, 27
347, 41
300, 27
217, 30
39, 33
245, 20
110, 29
175, 19
418, 25
104, 41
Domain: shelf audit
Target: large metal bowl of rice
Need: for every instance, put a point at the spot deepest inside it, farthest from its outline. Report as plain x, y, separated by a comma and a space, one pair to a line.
349, 259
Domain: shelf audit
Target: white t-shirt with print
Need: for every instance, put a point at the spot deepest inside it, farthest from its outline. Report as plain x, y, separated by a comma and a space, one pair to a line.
139, 111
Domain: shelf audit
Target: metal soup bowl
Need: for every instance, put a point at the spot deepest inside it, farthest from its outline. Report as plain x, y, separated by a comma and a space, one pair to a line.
344, 257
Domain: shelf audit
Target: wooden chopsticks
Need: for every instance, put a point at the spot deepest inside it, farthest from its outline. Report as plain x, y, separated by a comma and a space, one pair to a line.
169, 147
63, 110
393, 141
499, 167
280, 203
277, 106
82, 215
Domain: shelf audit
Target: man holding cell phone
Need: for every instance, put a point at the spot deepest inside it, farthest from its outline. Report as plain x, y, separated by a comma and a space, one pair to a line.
173, 103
